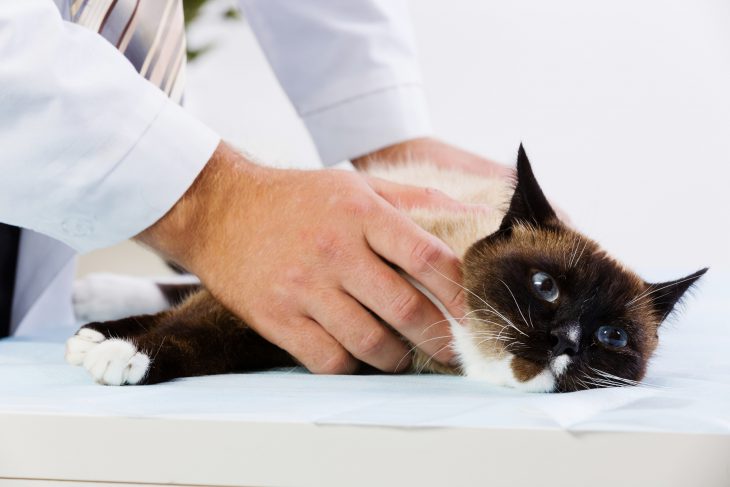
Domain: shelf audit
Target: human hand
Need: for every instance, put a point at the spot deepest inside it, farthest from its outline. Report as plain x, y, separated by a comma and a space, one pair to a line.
443, 155
437, 152
301, 257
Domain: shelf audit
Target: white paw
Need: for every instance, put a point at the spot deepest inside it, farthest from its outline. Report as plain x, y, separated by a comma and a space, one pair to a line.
102, 297
78, 345
116, 362
113, 362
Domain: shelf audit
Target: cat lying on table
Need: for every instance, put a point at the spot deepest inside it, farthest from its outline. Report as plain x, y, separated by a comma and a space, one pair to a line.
548, 309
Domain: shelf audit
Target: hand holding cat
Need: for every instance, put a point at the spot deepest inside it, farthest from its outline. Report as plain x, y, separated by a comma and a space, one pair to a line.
302, 257
438, 152
443, 155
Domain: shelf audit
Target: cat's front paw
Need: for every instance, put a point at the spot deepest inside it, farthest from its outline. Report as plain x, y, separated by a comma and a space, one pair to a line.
78, 345
116, 362
111, 361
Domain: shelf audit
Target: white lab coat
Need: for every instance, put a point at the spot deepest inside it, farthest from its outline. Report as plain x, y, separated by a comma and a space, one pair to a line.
92, 154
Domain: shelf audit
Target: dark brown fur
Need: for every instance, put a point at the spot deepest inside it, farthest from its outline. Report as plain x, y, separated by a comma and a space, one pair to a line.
197, 337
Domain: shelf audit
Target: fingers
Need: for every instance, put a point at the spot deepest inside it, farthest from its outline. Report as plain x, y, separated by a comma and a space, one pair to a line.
402, 306
403, 196
421, 255
309, 343
359, 332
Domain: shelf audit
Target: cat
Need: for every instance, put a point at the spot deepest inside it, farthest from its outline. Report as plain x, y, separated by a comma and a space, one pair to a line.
548, 309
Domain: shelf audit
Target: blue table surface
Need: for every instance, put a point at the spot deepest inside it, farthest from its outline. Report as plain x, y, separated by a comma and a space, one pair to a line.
687, 390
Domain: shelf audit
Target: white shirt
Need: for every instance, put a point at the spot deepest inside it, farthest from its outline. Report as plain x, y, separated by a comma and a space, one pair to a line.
92, 154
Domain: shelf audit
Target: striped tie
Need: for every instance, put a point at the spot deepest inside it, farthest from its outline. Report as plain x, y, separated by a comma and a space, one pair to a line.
150, 33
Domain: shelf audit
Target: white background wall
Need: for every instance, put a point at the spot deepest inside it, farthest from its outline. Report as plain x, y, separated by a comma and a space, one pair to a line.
623, 106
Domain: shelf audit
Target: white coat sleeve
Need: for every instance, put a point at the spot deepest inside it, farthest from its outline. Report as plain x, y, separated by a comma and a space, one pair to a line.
350, 69
90, 152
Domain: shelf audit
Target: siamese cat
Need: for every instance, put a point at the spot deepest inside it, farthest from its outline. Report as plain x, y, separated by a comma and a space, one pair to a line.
548, 309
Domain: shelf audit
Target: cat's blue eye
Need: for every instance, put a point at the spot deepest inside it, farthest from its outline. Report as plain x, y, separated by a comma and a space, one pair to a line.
545, 286
612, 336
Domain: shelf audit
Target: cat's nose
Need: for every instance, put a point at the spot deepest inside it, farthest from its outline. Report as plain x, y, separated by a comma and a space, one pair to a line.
565, 339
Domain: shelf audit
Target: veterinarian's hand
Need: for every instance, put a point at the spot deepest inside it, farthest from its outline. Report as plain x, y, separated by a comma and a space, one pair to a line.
444, 155
439, 153
302, 256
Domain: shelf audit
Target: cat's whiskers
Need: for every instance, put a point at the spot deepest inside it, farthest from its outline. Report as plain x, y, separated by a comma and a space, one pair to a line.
494, 311
516, 304
607, 375
604, 383
529, 306
638, 297
565, 258
597, 385
460, 320
428, 361
493, 337
649, 291
465, 317
622, 380
640, 306
576, 379
410, 350
572, 251
455, 283
505, 348
647, 303
162, 342
577, 259
434, 324
478, 297
595, 382
139, 323
475, 335
501, 327
497, 337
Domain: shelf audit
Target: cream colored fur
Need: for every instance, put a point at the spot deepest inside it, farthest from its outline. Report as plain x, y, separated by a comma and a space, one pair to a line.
457, 230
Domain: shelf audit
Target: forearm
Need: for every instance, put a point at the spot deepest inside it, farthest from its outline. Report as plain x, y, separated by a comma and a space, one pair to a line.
182, 234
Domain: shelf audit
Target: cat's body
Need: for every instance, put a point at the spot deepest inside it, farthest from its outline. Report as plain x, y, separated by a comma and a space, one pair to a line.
548, 310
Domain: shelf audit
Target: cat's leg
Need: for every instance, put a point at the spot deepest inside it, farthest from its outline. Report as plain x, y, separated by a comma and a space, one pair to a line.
200, 337
102, 297
117, 338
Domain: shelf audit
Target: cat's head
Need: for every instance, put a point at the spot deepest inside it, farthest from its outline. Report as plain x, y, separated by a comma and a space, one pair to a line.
549, 310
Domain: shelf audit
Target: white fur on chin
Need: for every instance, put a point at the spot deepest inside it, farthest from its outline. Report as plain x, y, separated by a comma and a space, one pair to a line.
497, 371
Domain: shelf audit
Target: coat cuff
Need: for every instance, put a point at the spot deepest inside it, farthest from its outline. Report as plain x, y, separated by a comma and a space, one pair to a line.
369, 122
145, 184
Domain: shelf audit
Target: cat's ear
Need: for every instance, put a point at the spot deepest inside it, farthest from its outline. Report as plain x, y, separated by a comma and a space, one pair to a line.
665, 295
528, 203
